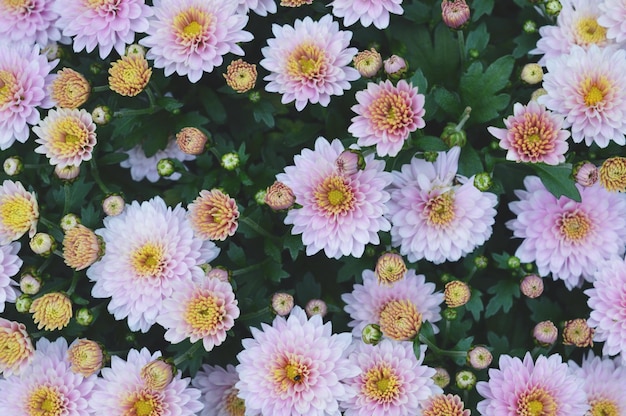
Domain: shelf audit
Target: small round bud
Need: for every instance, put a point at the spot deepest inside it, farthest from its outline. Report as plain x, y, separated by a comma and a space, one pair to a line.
13, 165
166, 167
532, 286
316, 307
254, 96
101, 115
474, 53
483, 181
95, 68
553, 7
113, 205
42, 244
30, 284
69, 221
219, 273
241, 76
67, 173
85, 356
370, 251
612, 174
528, 267
456, 293
481, 262
513, 262
135, 50
441, 377
368, 63
191, 140
349, 162
431, 156
586, 173
450, 314
465, 380
455, 14
479, 357
395, 67
532, 74
453, 136
52, 51
371, 334
390, 268
545, 333
157, 374
447, 277
279, 196
530, 27
84, 316
538, 93
282, 303
578, 333
23, 303
259, 196
230, 161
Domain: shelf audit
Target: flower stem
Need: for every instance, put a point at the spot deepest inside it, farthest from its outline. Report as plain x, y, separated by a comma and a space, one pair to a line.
255, 315
187, 354
100, 88
248, 269
440, 351
66, 204
96, 177
461, 40
256, 227
134, 112
70, 291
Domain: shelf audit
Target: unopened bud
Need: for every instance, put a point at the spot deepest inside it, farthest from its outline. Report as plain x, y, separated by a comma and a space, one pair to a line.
479, 357
368, 63
135, 50
390, 268
513, 262
230, 161
481, 262
67, 173
532, 74
113, 205
219, 273
191, 140
450, 314
84, 316
532, 286
455, 13
538, 93
465, 380
553, 7
282, 303
30, 284
157, 374
441, 377
42, 244
578, 333
316, 307
69, 221
456, 293
483, 181
241, 76
530, 27
395, 67
279, 196
86, 357
13, 166
371, 334
101, 115
166, 167
349, 162
431, 156
259, 196
586, 173
23, 303
612, 174
545, 333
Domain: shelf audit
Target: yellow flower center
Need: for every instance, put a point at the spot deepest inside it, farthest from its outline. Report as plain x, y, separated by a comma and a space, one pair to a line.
192, 26
102, 4
536, 402
400, 320
234, 405
19, 6
11, 347
144, 403
594, 91
391, 112
574, 226
613, 174
603, 407
46, 401
381, 384
334, 196
307, 62
204, 314
439, 210
16, 214
148, 260
193, 29
289, 371
588, 31
444, 405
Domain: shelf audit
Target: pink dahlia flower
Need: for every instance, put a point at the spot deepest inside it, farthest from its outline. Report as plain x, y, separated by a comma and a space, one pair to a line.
613, 18
588, 88
604, 381
567, 238
122, 390
203, 309
295, 366
606, 300
393, 380
191, 37
145, 167
29, 22
150, 252
17, 349
367, 11
340, 213
578, 24
219, 394
437, 214
24, 74
533, 134
10, 264
50, 387
107, 24
308, 62
521, 387
260, 7
387, 114
366, 301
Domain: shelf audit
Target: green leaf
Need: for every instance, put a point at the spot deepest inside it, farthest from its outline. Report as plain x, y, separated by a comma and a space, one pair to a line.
430, 144
463, 345
213, 106
499, 345
477, 39
272, 251
352, 268
469, 162
168, 103
112, 158
544, 309
448, 101
274, 271
191, 119
475, 304
293, 243
481, 7
419, 80
558, 180
308, 289
264, 112
236, 255
504, 291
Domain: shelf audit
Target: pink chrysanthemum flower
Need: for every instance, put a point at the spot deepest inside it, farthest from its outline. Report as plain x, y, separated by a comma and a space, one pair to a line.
367, 301
340, 213
393, 380
24, 74
150, 251
295, 366
190, 37
533, 134
387, 114
613, 18
199, 310
260, 7
19, 212
145, 167
214, 215
544, 387
49, 388
308, 62
66, 137
576, 25
122, 391
107, 24
567, 238
604, 384
607, 306
219, 393
29, 22
367, 11
10, 264
589, 89
17, 349
435, 217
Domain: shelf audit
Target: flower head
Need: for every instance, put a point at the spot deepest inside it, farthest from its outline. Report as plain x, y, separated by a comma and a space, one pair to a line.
456, 293
444, 404
10, 264
129, 75
69, 89
214, 215
567, 238
29, 22
294, 3
219, 394
455, 13
339, 213
157, 374
199, 310
81, 247
241, 76
532, 286
85, 357
260, 7
282, 303
613, 174
386, 115
150, 251
66, 136
372, 11
612, 18
107, 24
586, 174
308, 62
390, 268
524, 387
52, 311
19, 212
368, 62
16, 350
190, 37
279, 196
545, 333
191, 140
533, 134
295, 366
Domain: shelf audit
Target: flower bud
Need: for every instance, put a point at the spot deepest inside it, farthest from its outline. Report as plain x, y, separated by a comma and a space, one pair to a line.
371, 334
67, 173
456, 293
254, 96
479, 357
349, 162
95, 68
481, 262
101, 115
23, 303
191, 140
455, 13
42, 244
545, 333
538, 93
30, 284
129, 75
452, 136
368, 63
395, 67
532, 74
613, 174
316, 307
465, 380
241, 76
84, 316
294, 3
530, 27
282, 303
135, 50
578, 333
450, 314
532, 286
483, 181
553, 7
259, 196
219, 273
69, 221
113, 205
51, 311
447, 277
431, 156
390, 268
279, 196
13, 165
513, 262
69, 89
157, 374
81, 247
586, 173
230, 161
166, 167
85, 356
441, 377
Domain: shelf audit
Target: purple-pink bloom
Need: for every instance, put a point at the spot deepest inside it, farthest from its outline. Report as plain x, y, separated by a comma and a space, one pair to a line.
386, 115
613, 18
10, 264
340, 212
260, 7
145, 167
219, 394
366, 11
567, 238
29, 22
309, 61
604, 384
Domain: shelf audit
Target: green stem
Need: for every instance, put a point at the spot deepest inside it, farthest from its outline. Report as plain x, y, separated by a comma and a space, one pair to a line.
43, 266
248, 269
150, 97
255, 315
216, 153
440, 351
100, 88
187, 354
256, 227
134, 112
461, 39
96, 177
49, 224
66, 205
70, 291
464, 117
